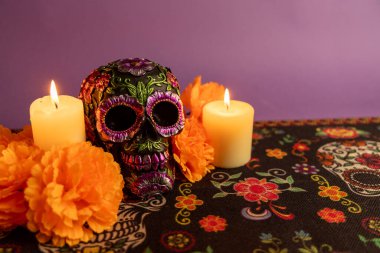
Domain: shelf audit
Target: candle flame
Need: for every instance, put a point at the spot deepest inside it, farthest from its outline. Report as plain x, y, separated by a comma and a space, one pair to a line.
227, 98
54, 94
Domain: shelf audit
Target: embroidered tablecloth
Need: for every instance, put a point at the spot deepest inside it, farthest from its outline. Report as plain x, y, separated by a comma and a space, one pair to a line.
310, 186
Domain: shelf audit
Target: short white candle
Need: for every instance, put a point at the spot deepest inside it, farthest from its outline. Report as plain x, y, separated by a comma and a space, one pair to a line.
57, 120
229, 126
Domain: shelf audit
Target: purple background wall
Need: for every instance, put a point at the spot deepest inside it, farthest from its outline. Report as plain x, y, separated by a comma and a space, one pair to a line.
289, 59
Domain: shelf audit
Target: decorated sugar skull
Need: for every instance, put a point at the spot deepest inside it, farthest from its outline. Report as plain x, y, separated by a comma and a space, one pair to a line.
357, 163
132, 108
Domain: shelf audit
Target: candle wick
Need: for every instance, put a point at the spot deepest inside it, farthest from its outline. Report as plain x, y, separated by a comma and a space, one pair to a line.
228, 107
56, 105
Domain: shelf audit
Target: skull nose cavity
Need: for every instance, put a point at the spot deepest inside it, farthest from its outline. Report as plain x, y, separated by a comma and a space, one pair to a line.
147, 162
150, 132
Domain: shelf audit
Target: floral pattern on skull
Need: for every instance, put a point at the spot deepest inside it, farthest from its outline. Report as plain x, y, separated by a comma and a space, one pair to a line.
132, 108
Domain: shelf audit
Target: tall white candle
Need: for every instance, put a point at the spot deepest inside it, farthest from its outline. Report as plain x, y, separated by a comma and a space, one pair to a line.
57, 120
229, 125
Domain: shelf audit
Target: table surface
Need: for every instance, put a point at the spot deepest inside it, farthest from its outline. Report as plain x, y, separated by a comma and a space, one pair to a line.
311, 186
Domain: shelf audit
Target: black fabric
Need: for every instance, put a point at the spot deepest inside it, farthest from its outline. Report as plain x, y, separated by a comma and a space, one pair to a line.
314, 188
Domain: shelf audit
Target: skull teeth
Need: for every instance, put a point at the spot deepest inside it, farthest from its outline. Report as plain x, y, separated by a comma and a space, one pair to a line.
146, 162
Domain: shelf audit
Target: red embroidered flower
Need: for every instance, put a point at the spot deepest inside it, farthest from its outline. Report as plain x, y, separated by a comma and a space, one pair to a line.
332, 215
301, 147
255, 190
256, 136
188, 202
213, 223
370, 160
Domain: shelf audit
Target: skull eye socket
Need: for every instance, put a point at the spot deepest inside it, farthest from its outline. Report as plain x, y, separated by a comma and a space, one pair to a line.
165, 113
165, 110
119, 118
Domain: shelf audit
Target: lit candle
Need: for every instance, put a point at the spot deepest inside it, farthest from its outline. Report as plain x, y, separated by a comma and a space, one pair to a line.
229, 125
57, 120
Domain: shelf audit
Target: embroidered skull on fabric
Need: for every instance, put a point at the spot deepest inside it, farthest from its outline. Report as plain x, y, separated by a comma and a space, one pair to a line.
132, 107
356, 163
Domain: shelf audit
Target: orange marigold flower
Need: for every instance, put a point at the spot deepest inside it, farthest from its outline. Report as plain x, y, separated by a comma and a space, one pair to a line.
333, 192
332, 215
192, 152
276, 153
196, 95
6, 136
73, 192
213, 223
188, 202
25, 135
16, 162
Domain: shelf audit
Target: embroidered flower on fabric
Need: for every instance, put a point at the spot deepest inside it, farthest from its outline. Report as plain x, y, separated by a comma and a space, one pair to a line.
256, 190
256, 136
340, 132
332, 215
266, 237
305, 169
276, 153
303, 235
212, 223
188, 202
135, 66
301, 147
372, 225
370, 160
178, 241
325, 158
333, 192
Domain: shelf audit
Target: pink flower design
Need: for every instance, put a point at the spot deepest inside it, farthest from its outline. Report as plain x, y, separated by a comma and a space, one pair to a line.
256, 190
